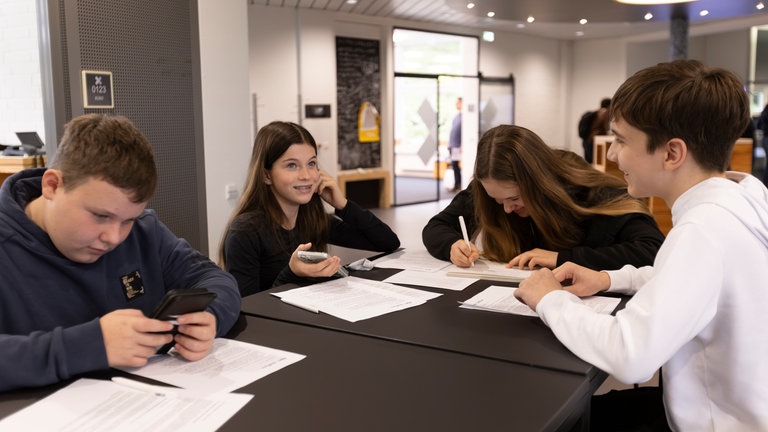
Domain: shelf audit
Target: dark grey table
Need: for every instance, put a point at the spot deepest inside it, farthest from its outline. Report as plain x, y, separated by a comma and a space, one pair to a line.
442, 324
350, 382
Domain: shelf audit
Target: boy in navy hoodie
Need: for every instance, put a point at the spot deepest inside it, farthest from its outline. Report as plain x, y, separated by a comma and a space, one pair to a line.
84, 262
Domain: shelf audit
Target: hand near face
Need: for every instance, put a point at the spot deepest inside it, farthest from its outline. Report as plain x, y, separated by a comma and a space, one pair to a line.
330, 192
534, 258
325, 268
463, 255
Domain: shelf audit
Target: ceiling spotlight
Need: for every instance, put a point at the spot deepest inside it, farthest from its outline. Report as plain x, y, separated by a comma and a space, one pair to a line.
470, 5
491, 14
582, 21
489, 36
652, 2
760, 6
704, 13
648, 16
531, 19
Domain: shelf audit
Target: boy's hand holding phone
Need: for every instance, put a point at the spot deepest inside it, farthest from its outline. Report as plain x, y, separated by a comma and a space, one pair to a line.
185, 309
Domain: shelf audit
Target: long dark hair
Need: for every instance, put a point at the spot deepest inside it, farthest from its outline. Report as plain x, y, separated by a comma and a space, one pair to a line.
258, 207
559, 188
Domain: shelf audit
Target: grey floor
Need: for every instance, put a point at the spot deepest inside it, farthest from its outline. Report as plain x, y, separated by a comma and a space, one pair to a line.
407, 221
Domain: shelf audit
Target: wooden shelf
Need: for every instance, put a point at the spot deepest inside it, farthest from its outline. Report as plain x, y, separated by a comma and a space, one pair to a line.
364, 174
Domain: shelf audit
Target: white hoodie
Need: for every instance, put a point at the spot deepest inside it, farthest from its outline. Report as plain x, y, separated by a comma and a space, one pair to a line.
701, 311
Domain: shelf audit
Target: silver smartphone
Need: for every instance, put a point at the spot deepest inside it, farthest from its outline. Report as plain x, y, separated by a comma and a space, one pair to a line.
311, 256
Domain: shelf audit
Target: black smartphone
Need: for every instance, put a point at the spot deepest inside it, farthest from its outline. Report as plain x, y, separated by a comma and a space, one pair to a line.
180, 302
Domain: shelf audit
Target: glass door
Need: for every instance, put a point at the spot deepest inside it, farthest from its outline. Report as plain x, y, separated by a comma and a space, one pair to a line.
416, 139
427, 111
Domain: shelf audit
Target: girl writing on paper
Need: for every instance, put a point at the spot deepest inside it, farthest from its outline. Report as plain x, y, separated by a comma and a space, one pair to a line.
281, 212
531, 205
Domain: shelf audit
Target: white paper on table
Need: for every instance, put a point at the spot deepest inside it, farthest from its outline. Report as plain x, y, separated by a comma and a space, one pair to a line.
490, 270
354, 299
502, 299
419, 260
435, 280
96, 405
230, 365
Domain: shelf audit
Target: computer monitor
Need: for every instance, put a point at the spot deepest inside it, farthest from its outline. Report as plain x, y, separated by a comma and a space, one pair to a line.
30, 139
31, 145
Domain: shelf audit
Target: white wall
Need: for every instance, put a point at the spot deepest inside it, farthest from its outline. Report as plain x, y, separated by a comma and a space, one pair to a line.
225, 95
21, 98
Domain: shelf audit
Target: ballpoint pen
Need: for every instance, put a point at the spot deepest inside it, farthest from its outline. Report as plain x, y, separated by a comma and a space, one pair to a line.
147, 388
464, 233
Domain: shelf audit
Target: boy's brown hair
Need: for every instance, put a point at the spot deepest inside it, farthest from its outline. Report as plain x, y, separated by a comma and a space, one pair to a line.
706, 107
108, 148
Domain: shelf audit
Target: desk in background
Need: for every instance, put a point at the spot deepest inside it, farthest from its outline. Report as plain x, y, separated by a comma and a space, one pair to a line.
381, 175
10, 165
350, 382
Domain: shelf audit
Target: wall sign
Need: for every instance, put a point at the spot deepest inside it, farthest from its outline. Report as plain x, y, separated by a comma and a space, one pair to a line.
97, 89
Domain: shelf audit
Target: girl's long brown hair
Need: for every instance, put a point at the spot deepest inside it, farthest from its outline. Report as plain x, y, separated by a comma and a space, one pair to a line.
258, 204
549, 180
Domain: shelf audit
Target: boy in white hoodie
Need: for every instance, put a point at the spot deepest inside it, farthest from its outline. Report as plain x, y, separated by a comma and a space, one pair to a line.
701, 311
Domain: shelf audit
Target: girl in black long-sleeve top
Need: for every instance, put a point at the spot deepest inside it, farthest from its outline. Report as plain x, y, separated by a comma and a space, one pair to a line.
281, 212
542, 207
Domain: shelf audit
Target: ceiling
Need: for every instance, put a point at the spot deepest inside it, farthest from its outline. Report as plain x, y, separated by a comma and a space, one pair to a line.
553, 18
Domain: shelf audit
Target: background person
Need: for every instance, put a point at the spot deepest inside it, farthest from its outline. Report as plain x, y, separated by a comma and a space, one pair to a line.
536, 206
281, 212
454, 147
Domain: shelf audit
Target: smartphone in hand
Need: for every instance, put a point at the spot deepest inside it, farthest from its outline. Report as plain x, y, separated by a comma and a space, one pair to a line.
314, 257
180, 302
311, 256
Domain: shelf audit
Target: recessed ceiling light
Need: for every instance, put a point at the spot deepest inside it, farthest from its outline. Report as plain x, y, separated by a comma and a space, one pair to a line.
489, 36
652, 2
760, 6
582, 21
470, 5
704, 13
648, 16
531, 19
491, 14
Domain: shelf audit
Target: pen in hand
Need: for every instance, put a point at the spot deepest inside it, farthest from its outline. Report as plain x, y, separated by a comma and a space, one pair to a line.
466, 236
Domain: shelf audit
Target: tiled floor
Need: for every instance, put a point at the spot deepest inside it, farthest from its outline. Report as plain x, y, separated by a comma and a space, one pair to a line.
407, 221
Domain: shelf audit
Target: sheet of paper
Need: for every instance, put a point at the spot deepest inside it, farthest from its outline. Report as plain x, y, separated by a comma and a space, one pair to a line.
502, 299
230, 365
354, 299
436, 280
419, 260
484, 269
96, 405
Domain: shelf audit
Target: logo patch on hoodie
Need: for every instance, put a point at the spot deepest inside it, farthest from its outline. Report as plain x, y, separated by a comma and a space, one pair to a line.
132, 285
